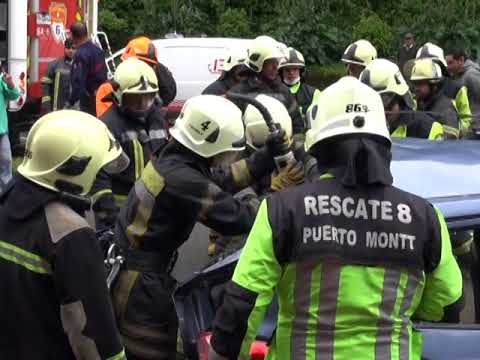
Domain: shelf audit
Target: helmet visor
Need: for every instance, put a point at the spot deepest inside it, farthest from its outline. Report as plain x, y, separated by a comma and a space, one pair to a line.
138, 102
117, 165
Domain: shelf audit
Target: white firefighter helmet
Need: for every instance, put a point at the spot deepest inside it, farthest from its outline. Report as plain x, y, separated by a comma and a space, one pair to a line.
426, 69
261, 49
347, 107
429, 50
385, 77
361, 52
209, 125
294, 58
256, 129
134, 76
235, 56
65, 150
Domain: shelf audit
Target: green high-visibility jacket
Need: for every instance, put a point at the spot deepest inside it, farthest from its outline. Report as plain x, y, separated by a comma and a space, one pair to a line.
435, 133
305, 96
346, 282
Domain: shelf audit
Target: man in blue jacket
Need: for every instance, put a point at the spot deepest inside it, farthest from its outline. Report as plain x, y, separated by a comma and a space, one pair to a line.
8, 91
89, 70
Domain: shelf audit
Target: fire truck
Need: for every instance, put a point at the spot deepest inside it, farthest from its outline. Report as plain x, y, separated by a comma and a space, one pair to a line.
32, 33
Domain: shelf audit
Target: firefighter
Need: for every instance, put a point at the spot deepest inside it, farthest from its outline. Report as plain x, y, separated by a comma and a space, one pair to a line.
256, 134
292, 73
176, 190
55, 300
402, 120
142, 48
427, 80
234, 71
56, 82
357, 56
264, 57
454, 90
137, 123
351, 258
89, 69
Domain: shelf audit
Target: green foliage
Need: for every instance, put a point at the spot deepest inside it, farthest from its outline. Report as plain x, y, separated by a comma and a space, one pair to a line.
377, 31
307, 28
320, 29
322, 76
234, 23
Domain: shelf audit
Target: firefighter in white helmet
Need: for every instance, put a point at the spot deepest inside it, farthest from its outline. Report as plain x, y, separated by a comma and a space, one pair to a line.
292, 72
357, 56
403, 121
327, 241
427, 79
256, 134
52, 270
137, 123
234, 70
177, 189
264, 57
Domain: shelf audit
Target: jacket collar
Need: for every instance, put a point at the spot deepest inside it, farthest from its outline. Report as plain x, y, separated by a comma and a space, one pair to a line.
23, 198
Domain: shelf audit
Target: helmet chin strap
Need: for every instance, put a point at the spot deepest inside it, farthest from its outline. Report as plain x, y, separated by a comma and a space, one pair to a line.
292, 82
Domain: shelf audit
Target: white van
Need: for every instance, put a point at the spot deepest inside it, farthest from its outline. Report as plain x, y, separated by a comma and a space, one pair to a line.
194, 62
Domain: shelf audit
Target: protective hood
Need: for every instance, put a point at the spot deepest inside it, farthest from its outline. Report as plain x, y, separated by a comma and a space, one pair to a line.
355, 160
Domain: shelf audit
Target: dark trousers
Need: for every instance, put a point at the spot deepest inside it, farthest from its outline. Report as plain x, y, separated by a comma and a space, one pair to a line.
146, 315
87, 104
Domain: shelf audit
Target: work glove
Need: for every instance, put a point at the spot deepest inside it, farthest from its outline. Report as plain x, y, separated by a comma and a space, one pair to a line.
291, 175
277, 143
262, 162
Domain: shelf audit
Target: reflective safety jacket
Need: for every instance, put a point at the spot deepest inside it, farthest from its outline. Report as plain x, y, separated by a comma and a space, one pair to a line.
139, 142
305, 95
418, 125
54, 299
56, 85
174, 192
350, 268
254, 86
441, 109
470, 78
458, 92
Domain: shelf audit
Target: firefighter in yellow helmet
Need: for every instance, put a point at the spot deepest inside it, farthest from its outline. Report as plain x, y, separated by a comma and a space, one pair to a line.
403, 121
51, 265
177, 189
142, 48
139, 133
357, 56
427, 80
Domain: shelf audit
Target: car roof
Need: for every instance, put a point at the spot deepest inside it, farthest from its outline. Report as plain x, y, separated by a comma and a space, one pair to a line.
447, 173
